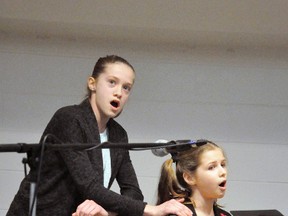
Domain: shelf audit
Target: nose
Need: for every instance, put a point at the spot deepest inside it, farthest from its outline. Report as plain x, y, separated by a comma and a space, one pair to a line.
118, 92
223, 171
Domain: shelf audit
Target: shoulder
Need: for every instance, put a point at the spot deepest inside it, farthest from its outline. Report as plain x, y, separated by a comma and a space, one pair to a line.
74, 111
191, 207
71, 116
68, 110
63, 118
65, 115
221, 212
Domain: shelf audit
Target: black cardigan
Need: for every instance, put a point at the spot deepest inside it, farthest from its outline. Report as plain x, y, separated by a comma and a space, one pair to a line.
68, 177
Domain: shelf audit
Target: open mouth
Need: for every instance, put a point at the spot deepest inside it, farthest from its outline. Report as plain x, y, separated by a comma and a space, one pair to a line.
223, 184
115, 104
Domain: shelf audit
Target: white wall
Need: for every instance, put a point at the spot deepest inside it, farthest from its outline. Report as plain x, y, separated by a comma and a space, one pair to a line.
235, 97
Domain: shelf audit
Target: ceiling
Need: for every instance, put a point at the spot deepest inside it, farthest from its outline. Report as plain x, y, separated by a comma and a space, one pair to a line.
202, 23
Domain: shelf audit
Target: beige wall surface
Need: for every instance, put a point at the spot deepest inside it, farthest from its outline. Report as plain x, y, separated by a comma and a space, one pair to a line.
235, 97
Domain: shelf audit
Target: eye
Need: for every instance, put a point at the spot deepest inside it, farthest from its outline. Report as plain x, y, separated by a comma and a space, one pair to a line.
111, 82
211, 167
127, 88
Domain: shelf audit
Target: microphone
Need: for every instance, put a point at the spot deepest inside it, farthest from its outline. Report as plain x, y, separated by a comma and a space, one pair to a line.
160, 152
176, 146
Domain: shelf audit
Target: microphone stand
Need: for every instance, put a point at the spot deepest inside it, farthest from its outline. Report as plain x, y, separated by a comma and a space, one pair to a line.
32, 151
24, 147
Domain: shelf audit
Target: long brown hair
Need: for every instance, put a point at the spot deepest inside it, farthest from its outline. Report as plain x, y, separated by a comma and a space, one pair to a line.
171, 182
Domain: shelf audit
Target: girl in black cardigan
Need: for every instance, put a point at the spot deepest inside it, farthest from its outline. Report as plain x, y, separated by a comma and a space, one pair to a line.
70, 176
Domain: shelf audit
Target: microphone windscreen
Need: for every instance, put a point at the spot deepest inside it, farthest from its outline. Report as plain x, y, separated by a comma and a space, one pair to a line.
160, 152
161, 141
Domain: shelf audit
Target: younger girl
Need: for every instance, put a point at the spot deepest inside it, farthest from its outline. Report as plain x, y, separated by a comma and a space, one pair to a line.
200, 178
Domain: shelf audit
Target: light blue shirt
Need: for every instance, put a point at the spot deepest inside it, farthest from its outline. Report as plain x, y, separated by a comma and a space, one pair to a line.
106, 159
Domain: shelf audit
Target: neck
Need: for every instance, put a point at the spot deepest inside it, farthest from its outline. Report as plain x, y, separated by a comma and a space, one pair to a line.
203, 206
101, 127
102, 122
204, 210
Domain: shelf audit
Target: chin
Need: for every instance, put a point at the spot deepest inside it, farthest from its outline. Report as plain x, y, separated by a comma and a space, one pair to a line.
117, 114
221, 195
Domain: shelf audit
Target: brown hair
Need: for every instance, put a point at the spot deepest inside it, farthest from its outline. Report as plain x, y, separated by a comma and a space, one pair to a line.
101, 64
171, 183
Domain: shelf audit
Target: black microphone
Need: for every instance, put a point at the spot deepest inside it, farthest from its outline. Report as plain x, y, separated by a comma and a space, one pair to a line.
176, 146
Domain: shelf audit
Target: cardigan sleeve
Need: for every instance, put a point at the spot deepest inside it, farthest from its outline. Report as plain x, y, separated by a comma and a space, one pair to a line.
122, 168
127, 180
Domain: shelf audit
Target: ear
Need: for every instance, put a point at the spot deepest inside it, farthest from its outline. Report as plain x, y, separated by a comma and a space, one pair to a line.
189, 179
91, 82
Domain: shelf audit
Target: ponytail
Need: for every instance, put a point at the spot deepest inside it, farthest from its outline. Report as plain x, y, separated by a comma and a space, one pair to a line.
168, 186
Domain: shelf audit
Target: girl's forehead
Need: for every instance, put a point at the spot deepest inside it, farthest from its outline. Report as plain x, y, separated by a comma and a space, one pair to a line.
211, 155
119, 68
120, 71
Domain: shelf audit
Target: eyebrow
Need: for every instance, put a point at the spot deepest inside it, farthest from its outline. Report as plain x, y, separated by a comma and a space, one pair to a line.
215, 161
125, 82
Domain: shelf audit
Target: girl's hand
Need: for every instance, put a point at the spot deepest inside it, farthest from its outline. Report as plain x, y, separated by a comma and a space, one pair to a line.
169, 207
90, 208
